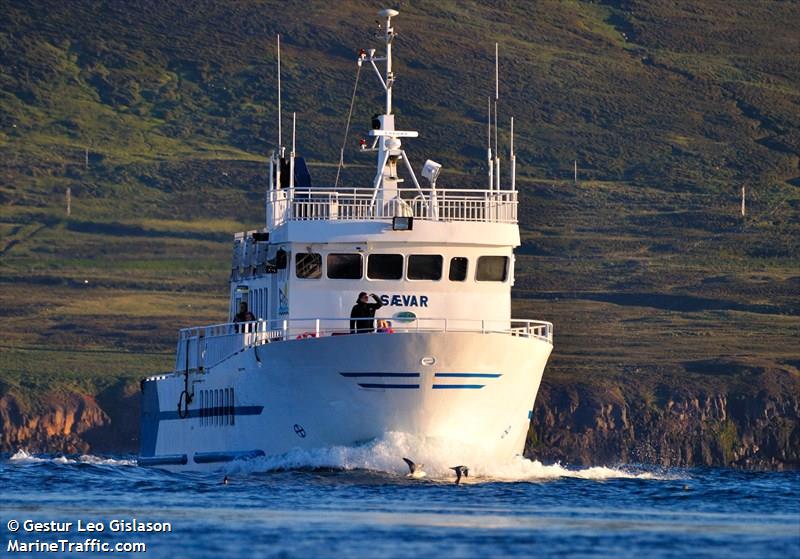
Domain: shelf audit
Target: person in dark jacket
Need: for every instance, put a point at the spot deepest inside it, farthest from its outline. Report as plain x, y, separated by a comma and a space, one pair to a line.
365, 311
244, 315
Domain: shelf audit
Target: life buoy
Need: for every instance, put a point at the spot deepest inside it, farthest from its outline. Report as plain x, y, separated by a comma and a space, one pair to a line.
305, 335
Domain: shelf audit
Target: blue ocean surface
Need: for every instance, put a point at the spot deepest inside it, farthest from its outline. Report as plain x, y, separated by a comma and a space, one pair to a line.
360, 503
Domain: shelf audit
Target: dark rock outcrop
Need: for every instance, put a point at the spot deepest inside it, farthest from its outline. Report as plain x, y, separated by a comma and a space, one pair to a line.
56, 424
581, 424
70, 422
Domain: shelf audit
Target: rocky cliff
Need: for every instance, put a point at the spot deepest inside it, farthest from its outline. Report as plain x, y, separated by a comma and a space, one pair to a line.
573, 423
60, 426
63, 421
754, 427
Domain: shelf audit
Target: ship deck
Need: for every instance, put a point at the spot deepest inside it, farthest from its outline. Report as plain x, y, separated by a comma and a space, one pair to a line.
205, 346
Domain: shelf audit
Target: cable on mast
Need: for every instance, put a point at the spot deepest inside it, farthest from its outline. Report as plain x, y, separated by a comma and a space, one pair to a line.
361, 57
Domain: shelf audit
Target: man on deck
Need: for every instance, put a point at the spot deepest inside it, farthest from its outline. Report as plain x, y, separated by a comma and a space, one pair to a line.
244, 315
362, 317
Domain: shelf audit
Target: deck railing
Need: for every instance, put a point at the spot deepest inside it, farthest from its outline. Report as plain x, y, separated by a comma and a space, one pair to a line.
304, 204
206, 346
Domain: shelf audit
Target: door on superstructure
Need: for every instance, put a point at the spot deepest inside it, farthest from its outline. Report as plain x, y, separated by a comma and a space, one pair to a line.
240, 295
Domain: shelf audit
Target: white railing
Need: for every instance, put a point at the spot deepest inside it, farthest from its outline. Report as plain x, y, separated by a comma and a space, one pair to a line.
304, 204
206, 346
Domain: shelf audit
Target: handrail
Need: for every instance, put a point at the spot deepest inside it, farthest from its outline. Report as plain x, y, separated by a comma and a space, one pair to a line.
205, 346
419, 324
439, 204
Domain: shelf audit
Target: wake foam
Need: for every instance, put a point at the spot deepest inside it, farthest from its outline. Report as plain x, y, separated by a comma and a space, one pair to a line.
386, 453
24, 457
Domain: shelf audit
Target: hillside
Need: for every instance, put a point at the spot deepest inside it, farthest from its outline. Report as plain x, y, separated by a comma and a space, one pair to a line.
158, 117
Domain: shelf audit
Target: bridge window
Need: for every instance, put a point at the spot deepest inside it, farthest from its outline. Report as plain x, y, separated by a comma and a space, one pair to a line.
308, 265
458, 268
492, 268
425, 267
345, 266
385, 266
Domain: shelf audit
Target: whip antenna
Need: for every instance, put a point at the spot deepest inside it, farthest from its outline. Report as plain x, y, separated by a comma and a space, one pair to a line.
292, 154
513, 157
496, 99
489, 143
280, 142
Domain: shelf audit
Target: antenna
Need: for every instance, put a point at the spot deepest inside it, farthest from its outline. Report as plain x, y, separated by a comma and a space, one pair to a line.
280, 141
513, 157
489, 144
496, 99
496, 72
496, 151
388, 13
291, 155
272, 171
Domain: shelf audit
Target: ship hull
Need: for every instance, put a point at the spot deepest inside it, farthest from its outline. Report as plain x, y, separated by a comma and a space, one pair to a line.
469, 387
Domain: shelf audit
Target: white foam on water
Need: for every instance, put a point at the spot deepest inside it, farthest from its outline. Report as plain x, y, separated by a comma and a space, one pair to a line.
386, 454
24, 457
99, 460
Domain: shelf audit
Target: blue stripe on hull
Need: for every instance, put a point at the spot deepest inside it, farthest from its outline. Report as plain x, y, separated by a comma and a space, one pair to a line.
377, 385
380, 375
211, 412
211, 457
448, 386
164, 460
468, 375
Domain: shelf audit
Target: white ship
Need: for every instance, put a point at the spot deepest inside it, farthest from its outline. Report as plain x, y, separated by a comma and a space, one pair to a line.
444, 359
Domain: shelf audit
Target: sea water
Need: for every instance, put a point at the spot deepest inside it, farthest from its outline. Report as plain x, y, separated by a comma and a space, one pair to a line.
359, 502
